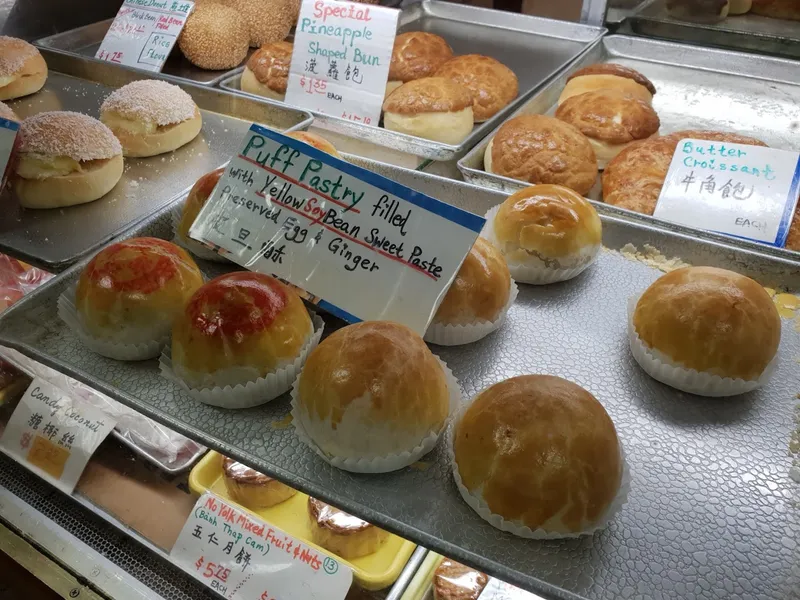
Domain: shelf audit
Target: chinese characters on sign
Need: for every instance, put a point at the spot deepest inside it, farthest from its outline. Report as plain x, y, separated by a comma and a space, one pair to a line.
369, 247
143, 33
341, 57
741, 190
243, 558
54, 435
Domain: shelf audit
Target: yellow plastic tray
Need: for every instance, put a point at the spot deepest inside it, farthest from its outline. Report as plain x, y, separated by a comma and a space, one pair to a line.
419, 588
373, 572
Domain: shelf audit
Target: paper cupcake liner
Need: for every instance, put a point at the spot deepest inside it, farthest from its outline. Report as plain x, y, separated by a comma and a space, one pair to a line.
535, 274
382, 464
196, 248
68, 313
250, 393
484, 512
456, 335
661, 368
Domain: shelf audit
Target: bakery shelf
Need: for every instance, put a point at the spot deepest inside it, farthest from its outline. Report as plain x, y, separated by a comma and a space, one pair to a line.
712, 512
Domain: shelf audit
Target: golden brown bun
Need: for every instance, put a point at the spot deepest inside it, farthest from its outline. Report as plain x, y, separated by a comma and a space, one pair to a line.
777, 9
610, 119
492, 84
372, 389
343, 534
214, 37
480, 290
267, 21
417, 54
7, 113
454, 581
608, 76
710, 320
739, 7
541, 452
93, 182
549, 221
241, 320
23, 71
317, 141
267, 70
132, 290
617, 70
196, 200
540, 149
252, 489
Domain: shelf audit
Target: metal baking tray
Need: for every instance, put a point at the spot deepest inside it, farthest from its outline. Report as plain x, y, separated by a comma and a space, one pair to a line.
697, 88
743, 32
56, 238
712, 513
534, 48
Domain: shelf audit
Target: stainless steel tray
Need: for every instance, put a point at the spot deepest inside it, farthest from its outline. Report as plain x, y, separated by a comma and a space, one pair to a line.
697, 88
54, 239
534, 48
179, 466
712, 513
743, 32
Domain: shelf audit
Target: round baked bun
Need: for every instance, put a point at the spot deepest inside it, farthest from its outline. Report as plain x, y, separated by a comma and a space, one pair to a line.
492, 84
541, 453
433, 108
198, 196
317, 141
454, 581
151, 117
540, 149
705, 11
22, 68
370, 391
267, 71
721, 325
7, 113
415, 55
215, 37
252, 489
237, 328
777, 9
740, 7
268, 21
612, 76
65, 158
345, 535
131, 292
547, 233
633, 179
610, 119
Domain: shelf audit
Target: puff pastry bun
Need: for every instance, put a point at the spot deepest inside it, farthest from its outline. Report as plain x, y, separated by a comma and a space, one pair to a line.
343, 534
541, 452
22, 68
710, 320
777, 9
198, 196
317, 141
492, 84
252, 489
416, 54
608, 76
267, 71
454, 581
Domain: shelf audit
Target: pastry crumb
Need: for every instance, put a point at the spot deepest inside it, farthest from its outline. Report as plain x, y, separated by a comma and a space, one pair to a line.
282, 423
652, 257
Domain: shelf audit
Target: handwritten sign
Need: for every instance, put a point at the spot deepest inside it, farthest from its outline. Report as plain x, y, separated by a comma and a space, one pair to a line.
737, 189
341, 57
54, 435
499, 590
143, 33
242, 558
362, 246
8, 137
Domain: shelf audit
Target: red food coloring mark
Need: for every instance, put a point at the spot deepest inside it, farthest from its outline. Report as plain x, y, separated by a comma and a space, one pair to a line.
236, 304
206, 184
141, 265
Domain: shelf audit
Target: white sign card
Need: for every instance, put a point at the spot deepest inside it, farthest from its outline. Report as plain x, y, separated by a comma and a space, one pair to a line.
143, 33
745, 191
364, 247
54, 435
8, 137
242, 558
500, 590
340, 62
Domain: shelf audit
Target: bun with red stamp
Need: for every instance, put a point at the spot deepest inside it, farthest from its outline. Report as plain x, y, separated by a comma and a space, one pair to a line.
198, 196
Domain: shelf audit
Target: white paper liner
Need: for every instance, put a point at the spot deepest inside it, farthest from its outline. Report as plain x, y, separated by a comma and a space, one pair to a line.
484, 512
250, 393
536, 274
110, 349
382, 464
456, 335
661, 368
196, 248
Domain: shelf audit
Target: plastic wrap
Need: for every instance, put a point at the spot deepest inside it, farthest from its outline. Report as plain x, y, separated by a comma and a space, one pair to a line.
252, 489
454, 581
17, 279
342, 533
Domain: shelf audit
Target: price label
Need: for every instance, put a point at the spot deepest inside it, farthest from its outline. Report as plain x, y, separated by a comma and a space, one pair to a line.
745, 191
242, 558
340, 62
54, 435
143, 33
499, 590
8, 137
361, 246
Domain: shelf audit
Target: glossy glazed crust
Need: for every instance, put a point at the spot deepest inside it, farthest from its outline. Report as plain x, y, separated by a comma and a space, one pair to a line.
428, 95
615, 69
341, 533
710, 320
492, 84
777, 9
480, 290
610, 116
317, 141
270, 65
544, 452
198, 196
417, 54
540, 149
454, 581
251, 488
